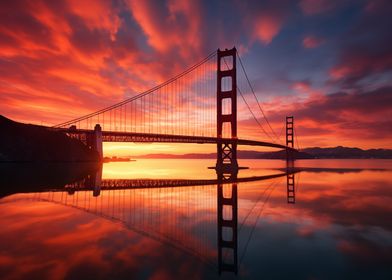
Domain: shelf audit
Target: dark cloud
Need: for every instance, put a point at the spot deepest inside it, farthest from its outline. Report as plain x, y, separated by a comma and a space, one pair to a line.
366, 48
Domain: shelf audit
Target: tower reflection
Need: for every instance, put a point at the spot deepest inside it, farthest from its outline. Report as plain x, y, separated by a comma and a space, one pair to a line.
290, 179
227, 221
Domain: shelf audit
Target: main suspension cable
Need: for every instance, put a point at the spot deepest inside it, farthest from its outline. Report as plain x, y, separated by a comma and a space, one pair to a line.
209, 57
257, 100
249, 108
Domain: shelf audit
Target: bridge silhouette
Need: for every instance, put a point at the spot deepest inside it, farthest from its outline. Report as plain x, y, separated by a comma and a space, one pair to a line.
197, 106
166, 211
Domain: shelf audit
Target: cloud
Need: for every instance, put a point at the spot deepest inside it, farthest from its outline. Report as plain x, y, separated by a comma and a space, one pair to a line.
311, 42
63, 59
168, 26
114, 249
314, 7
87, 58
97, 15
360, 118
267, 19
366, 48
267, 27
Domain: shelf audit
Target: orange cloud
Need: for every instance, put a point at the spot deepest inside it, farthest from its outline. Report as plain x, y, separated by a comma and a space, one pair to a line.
267, 27
173, 25
97, 14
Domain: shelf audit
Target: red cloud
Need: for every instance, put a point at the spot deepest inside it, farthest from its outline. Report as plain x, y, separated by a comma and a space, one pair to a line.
313, 7
266, 19
97, 14
366, 49
359, 119
267, 27
85, 56
304, 87
176, 25
311, 42
356, 65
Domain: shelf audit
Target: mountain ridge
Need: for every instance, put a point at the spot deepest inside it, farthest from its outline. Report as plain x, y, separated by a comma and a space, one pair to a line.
338, 152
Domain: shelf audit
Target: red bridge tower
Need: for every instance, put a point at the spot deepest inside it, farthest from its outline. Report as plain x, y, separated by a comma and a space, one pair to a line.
227, 93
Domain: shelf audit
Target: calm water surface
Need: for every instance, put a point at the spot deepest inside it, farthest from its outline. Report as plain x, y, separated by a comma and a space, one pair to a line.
336, 224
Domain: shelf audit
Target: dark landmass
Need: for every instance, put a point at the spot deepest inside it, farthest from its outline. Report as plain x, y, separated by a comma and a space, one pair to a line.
16, 177
32, 143
348, 153
308, 153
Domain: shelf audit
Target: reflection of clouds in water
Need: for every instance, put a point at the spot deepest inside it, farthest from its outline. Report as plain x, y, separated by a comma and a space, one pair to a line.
77, 244
339, 224
160, 169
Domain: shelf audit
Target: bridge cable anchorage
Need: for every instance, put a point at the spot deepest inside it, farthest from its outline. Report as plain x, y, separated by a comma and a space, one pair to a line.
145, 93
257, 100
249, 108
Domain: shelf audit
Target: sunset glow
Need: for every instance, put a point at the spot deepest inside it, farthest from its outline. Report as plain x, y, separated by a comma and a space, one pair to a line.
328, 63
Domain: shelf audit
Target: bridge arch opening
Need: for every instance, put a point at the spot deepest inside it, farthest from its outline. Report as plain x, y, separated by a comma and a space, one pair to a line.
226, 106
226, 84
227, 62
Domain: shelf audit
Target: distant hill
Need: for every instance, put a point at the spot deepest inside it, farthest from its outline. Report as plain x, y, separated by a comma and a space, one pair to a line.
345, 152
308, 153
26, 142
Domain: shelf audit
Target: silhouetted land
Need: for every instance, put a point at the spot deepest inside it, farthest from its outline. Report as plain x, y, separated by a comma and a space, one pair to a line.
27, 177
26, 143
308, 153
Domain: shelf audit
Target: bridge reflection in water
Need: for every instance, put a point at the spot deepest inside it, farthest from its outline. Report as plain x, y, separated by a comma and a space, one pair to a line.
169, 211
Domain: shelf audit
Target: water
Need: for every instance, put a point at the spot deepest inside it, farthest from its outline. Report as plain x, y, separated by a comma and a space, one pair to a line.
339, 227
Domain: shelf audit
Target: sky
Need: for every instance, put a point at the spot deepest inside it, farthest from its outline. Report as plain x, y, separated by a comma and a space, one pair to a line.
328, 63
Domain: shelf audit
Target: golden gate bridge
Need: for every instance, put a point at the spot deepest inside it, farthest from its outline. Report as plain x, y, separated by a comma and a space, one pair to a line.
197, 106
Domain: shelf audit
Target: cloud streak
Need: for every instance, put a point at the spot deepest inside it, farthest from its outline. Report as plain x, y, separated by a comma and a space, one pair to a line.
63, 59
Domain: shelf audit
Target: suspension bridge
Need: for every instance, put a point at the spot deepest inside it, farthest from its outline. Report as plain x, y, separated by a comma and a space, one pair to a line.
197, 106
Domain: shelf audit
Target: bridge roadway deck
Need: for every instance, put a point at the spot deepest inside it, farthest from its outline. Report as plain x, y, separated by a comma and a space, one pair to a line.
136, 137
118, 184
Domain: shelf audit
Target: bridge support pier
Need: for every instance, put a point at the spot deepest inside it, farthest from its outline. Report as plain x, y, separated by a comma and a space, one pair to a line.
227, 93
94, 140
94, 181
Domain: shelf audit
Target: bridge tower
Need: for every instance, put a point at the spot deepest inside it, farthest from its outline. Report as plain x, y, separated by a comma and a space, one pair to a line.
94, 140
290, 131
290, 139
226, 92
290, 160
